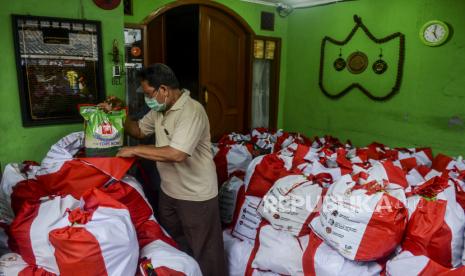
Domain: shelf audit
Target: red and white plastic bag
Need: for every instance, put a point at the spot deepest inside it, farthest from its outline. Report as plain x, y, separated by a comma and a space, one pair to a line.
291, 203
30, 228
413, 157
353, 218
248, 220
436, 224
418, 175
251, 169
129, 192
294, 155
264, 140
158, 250
167, 260
326, 176
445, 163
101, 239
407, 264
265, 172
115, 246
62, 173
320, 259
277, 251
17, 186
237, 253
231, 194
13, 174
12, 264
387, 172
234, 138
231, 159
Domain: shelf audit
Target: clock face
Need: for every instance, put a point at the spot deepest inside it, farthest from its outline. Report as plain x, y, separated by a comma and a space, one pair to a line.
434, 33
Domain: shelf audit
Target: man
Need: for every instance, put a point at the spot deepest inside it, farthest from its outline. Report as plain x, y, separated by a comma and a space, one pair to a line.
188, 203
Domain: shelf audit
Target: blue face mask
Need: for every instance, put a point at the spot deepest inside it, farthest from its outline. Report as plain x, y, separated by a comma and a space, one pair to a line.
155, 105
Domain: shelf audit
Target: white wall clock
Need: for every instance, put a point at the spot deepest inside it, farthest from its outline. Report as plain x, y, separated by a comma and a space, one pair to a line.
434, 33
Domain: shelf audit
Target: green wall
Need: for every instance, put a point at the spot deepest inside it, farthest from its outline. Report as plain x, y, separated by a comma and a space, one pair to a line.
432, 90
18, 143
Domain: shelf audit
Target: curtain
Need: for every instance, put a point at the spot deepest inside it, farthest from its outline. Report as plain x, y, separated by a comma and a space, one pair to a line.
261, 93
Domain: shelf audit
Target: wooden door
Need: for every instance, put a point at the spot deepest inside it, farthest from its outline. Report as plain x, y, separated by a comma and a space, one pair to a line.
223, 71
155, 46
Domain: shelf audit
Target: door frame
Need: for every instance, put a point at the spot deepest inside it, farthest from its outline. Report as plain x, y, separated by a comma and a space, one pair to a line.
212, 4
274, 84
249, 56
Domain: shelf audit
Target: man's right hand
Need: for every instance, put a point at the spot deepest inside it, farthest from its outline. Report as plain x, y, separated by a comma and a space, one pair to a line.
111, 103
105, 106
130, 126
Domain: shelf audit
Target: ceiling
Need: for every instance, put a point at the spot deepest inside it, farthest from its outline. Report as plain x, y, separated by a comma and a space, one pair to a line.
294, 3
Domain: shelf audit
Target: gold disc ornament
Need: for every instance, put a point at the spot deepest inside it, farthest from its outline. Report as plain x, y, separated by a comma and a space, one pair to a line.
357, 62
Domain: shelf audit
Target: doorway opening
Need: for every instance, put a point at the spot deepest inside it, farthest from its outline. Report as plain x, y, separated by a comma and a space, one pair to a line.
209, 47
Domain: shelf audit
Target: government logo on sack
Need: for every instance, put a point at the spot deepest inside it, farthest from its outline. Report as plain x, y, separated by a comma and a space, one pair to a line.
106, 131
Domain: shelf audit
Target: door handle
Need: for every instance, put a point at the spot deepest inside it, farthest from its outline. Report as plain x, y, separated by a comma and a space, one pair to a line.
206, 96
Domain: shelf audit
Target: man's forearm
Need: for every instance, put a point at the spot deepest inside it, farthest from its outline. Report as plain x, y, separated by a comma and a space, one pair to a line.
161, 154
132, 128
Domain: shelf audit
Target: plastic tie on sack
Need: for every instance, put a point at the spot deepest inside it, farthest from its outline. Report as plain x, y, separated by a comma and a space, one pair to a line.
79, 216
147, 267
371, 187
322, 179
431, 188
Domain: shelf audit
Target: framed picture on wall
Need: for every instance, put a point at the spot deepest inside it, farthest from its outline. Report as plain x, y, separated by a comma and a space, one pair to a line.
59, 65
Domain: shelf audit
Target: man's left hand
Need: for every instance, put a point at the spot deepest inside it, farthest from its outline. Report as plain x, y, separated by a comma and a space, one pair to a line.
126, 152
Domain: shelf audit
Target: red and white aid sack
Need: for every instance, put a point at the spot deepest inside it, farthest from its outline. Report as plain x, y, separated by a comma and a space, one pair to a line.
353, 217
320, 259
436, 224
325, 176
230, 195
261, 174
263, 139
130, 193
291, 204
386, 173
276, 251
158, 250
31, 226
248, 220
263, 171
15, 173
236, 253
12, 264
165, 259
102, 232
232, 158
62, 173
445, 163
411, 158
47, 234
17, 186
407, 264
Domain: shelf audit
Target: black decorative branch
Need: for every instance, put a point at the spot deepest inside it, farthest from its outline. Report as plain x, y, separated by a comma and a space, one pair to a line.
400, 67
